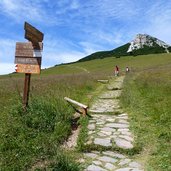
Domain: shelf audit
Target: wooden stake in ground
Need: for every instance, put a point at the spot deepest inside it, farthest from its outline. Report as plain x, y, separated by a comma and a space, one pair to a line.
26, 91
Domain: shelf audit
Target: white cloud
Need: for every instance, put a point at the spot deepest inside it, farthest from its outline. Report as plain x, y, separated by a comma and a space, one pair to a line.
107, 9
75, 4
60, 50
109, 36
25, 10
158, 19
6, 68
7, 51
52, 58
89, 47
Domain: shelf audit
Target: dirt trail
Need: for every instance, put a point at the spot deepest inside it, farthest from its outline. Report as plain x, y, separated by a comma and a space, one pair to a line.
81, 68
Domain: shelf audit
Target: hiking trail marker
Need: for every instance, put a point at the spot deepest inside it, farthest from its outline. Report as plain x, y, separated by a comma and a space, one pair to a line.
28, 57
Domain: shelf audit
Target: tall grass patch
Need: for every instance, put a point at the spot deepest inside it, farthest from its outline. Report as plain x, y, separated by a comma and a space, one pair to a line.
147, 97
36, 135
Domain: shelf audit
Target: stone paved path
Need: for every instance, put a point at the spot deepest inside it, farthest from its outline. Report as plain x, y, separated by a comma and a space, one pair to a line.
110, 161
107, 129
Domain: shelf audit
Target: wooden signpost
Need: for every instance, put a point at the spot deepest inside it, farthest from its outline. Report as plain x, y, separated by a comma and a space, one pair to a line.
28, 57
32, 34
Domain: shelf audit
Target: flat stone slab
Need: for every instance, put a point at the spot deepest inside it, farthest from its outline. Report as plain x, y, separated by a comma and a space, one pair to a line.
126, 137
105, 161
117, 125
134, 164
95, 168
116, 86
123, 143
108, 129
91, 126
97, 162
91, 155
105, 105
129, 169
111, 94
110, 166
103, 142
113, 154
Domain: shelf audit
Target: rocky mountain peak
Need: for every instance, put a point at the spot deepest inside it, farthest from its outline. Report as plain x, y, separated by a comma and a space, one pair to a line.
147, 40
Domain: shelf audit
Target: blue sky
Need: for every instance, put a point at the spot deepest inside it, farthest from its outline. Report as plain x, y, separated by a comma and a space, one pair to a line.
76, 28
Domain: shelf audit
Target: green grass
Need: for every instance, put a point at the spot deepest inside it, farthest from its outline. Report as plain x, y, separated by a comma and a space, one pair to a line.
64, 161
103, 67
106, 66
35, 136
83, 134
147, 98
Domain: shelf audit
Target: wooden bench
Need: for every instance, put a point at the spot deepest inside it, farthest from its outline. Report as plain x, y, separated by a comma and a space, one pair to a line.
82, 106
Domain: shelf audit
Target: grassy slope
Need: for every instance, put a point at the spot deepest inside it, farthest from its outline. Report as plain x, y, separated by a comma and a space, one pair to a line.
107, 65
147, 98
47, 92
122, 51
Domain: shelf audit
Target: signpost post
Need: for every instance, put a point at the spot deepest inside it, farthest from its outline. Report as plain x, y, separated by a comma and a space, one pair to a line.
28, 57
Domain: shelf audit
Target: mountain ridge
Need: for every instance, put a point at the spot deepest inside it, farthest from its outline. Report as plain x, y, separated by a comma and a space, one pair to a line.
142, 44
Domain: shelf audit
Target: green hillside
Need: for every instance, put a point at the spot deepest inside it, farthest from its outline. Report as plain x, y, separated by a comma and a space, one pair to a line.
32, 140
122, 51
118, 52
107, 65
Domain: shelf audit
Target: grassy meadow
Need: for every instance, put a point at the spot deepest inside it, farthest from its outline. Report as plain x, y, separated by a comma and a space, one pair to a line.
147, 98
33, 138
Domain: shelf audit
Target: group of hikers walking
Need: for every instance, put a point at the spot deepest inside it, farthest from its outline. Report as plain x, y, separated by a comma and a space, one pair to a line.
116, 70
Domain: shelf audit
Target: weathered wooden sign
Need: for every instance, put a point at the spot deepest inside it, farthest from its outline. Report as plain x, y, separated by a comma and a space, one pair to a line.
28, 69
32, 34
28, 60
28, 45
26, 49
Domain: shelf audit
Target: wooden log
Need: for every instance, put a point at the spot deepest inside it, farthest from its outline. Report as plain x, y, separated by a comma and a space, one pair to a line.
84, 107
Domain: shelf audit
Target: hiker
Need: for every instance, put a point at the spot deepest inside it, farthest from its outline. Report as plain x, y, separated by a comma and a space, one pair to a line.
116, 70
127, 69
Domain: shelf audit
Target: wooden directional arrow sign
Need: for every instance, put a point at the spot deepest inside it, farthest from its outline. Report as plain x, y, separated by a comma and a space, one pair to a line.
32, 34
28, 69
26, 49
28, 60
